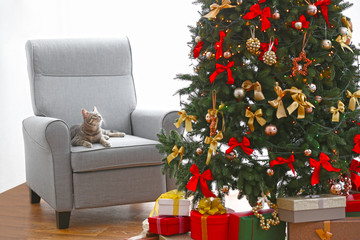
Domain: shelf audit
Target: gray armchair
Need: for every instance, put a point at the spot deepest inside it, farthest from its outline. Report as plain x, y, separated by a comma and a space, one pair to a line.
65, 76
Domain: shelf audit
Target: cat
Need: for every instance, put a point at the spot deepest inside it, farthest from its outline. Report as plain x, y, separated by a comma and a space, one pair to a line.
90, 131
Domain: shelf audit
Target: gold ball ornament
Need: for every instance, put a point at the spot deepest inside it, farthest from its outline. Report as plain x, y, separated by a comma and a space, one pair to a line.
269, 57
326, 44
311, 10
318, 98
271, 130
309, 110
253, 45
199, 151
227, 54
239, 93
307, 152
276, 15
335, 188
270, 172
207, 118
230, 156
298, 25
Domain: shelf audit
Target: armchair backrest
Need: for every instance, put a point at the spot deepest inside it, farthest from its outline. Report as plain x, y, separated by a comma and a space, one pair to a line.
67, 75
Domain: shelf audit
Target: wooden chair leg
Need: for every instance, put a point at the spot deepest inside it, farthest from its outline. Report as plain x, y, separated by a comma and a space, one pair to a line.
34, 198
62, 219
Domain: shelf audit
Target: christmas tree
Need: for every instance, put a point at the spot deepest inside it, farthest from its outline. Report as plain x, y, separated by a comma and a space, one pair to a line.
272, 106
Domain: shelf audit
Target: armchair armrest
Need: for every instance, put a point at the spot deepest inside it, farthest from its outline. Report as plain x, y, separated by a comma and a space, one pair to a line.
148, 123
47, 157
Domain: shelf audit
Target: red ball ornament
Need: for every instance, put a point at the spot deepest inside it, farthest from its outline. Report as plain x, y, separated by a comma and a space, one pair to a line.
309, 110
270, 172
271, 130
227, 54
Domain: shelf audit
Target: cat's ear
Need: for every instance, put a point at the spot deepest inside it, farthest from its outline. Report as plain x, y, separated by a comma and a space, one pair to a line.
84, 112
95, 110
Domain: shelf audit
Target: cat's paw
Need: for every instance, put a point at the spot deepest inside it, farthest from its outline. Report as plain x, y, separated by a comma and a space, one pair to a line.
106, 144
119, 134
88, 145
106, 137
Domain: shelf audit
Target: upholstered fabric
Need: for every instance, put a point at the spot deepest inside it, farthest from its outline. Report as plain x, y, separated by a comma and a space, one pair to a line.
129, 151
67, 75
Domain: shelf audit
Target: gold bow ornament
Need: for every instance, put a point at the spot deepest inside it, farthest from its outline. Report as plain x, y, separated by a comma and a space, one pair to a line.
173, 194
278, 103
300, 102
213, 145
324, 234
248, 85
175, 153
342, 40
258, 115
353, 99
215, 8
336, 111
187, 118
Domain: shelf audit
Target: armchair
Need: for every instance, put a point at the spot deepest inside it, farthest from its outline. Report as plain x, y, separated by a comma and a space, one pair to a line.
65, 76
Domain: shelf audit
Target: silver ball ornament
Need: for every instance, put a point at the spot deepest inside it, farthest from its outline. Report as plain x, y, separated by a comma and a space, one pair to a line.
312, 87
208, 55
298, 25
276, 15
239, 93
326, 44
239, 2
311, 10
307, 152
343, 31
198, 39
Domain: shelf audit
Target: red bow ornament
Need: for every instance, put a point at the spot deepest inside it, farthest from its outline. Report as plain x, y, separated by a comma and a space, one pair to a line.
255, 11
244, 144
197, 49
205, 176
302, 19
354, 170
262, 1
323, 161
221, 68
219, 45
264, 47
280, 160
324, 9
357, 144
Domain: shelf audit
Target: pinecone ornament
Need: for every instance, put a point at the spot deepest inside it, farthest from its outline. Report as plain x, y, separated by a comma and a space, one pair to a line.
269, 57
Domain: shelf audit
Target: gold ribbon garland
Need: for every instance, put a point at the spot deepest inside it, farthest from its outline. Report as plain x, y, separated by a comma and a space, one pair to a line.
260, 205
353, 99
336, 111
300, 102
175, 153
213, 145
325, 233
173, 194
278, 103
248, 85
187, 118
258, 115
215, 8
206, 206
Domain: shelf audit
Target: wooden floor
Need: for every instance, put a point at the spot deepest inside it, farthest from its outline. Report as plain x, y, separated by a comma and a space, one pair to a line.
21, 220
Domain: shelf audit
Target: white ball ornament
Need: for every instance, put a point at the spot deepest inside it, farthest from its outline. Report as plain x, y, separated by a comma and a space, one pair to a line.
208, 55
343, 31
298, 25
311, 10
239, 93
312, 87
198, 39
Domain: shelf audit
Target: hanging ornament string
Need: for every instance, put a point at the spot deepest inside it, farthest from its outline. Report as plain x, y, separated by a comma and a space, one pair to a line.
213, 116
269, 56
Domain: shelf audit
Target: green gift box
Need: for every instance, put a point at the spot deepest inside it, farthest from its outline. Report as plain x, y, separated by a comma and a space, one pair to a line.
246, 226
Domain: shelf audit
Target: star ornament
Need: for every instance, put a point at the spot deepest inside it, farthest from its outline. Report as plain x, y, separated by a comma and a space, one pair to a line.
302, 69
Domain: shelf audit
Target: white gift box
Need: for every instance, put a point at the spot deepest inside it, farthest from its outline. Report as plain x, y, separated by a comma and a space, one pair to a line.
166, 207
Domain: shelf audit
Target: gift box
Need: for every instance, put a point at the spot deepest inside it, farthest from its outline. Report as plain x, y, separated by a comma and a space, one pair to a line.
311, 208
176, 207
353, 205
246, 226
169, 225
209, 227
347, 228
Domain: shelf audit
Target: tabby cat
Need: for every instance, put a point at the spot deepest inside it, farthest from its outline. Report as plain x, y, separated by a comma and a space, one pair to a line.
90, 131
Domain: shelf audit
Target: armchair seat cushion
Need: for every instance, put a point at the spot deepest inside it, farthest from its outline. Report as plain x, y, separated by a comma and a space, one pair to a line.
129, 151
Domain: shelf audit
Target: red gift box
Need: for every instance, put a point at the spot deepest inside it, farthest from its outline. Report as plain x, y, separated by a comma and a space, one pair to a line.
353, 203
169, 225
210, 227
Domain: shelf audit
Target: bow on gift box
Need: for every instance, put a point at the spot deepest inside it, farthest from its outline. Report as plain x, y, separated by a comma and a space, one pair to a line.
280, 160
175, 153
357, 144
215, 8
244, 144
323, 161
187, 119
197, 49
173, 194
213, 145
302, 19
336, 111
255, 11
324, 234
354, 170
205, 176
264, 47
219, 45
258, 115
221, 68
353, 99
278, 103
206, 206
324, 8
300, 102
248, 85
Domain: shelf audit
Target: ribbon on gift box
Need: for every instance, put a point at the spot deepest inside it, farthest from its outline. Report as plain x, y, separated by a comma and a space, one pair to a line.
354, 170
357, 144
173, 194
325, 233
181, 223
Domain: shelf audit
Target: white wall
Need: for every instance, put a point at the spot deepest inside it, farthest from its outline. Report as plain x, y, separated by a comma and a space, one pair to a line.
158, 33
